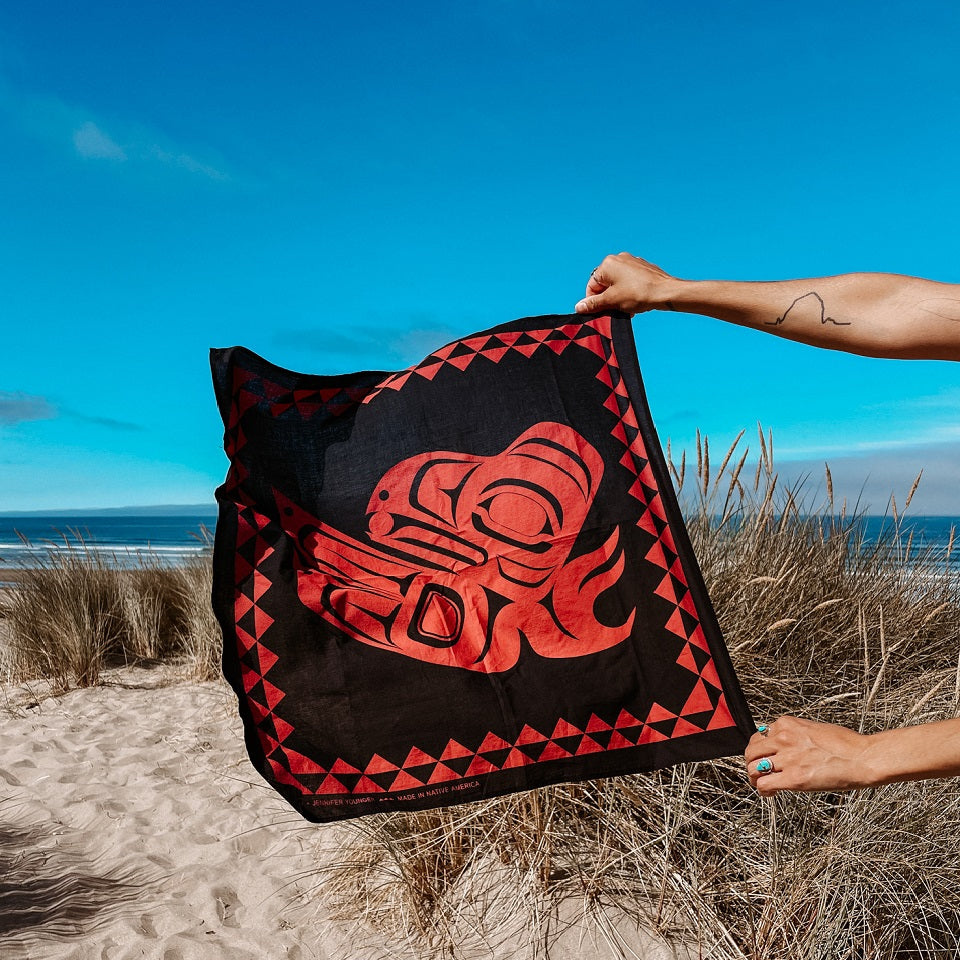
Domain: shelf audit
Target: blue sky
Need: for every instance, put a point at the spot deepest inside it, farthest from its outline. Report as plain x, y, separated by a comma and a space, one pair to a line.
347, 186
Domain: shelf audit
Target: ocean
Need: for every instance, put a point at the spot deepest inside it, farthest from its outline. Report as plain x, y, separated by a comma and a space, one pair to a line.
122, 540
931, 534
118, 540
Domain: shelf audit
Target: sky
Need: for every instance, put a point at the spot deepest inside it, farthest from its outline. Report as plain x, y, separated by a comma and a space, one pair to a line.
348, 186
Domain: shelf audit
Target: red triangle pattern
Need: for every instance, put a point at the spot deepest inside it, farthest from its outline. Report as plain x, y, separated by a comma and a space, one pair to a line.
492, 742
531, 746
378, 764
453, 750
596, 725
516, 758
563, 729
553, 751
663, 554
417, 758
480, 765
263, 697
493, 348
628, 732
441, 774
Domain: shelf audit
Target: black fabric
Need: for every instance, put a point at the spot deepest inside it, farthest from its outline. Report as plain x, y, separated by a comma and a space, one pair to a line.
463, 579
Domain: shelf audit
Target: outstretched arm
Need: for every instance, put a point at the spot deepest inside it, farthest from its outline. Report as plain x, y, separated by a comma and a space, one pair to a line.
874, 314
809, 756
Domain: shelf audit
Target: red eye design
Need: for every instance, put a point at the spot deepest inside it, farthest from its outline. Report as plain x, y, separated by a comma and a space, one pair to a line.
518, 515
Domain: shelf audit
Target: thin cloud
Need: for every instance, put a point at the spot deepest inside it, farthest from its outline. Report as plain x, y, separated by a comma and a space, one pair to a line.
890, 425
908, 434
18, 407
368, 346
23, 408
864, 479
943, 434
186, 162
92, 138
90, 141
870, 478
946, 404
109, 422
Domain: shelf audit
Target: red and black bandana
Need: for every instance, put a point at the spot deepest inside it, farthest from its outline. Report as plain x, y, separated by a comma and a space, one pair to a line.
463, 579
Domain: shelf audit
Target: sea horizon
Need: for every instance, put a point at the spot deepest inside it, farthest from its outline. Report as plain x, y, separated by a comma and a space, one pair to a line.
174, 534
146, 510
117, 538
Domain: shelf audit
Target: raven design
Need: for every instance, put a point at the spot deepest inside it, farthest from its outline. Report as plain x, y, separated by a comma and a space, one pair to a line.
466, 555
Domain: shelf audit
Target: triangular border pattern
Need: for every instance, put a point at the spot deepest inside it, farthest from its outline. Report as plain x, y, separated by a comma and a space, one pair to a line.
705, 709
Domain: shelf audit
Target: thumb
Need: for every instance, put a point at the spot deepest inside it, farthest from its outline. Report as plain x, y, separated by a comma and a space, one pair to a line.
598, 303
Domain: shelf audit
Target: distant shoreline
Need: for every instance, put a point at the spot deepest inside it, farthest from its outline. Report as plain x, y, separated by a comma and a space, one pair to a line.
156, 510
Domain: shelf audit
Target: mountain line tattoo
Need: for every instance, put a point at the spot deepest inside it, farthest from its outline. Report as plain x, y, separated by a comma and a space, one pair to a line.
824, 319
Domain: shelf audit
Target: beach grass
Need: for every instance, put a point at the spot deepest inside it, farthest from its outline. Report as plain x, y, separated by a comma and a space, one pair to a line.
74, 613
820, 622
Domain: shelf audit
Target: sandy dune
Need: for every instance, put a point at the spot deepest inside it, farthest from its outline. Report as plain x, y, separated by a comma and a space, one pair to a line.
133, 826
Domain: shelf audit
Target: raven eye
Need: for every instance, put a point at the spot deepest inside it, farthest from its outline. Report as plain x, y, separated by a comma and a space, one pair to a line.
517, 514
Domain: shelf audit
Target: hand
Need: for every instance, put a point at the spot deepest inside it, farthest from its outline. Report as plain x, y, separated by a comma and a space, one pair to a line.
808, 756
626, 283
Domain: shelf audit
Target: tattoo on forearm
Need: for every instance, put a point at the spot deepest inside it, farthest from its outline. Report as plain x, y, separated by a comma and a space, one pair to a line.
824, 319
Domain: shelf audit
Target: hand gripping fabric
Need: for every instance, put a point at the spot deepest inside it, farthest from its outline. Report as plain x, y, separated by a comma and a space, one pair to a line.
462, 579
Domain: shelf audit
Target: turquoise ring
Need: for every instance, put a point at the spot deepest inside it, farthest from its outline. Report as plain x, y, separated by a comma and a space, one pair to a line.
764, 766
763, 728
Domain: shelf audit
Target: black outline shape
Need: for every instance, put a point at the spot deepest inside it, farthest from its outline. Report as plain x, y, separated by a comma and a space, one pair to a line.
414, 631
824, 319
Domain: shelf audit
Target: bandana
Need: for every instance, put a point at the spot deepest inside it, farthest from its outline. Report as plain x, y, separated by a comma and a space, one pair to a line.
462, 579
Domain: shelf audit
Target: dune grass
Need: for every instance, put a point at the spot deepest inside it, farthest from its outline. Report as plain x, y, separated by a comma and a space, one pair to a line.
75, 613
821, 623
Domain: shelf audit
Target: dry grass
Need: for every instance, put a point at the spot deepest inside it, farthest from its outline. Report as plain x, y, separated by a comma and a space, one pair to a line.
75, 613
820, 623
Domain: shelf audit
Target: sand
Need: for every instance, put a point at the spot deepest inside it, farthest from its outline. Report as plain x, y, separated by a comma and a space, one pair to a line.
133, 826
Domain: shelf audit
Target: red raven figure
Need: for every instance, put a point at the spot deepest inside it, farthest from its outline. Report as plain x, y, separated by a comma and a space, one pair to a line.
450, 533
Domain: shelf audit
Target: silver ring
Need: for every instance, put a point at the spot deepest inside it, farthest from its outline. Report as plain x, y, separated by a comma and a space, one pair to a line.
765, 765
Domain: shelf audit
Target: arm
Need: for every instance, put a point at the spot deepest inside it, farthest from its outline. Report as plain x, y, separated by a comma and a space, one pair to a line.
874, 314
813, 756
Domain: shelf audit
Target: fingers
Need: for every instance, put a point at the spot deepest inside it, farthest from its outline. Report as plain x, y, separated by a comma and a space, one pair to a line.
774, 760
760, 761
595, 304
757, 747
603, 278
764, 774
761, 744
769, 784
625, 283
756, 755
597, 282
